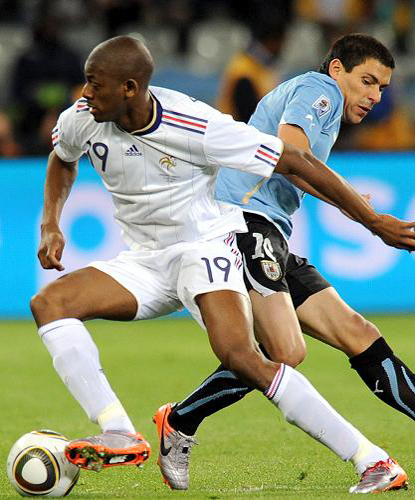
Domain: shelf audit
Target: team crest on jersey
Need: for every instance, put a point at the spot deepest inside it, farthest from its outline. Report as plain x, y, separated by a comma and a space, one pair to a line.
322, 105
168, 161
272, 270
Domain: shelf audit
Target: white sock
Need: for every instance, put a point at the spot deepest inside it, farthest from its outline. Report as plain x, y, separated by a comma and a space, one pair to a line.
304, 407
367, 455
114, 418
76, 359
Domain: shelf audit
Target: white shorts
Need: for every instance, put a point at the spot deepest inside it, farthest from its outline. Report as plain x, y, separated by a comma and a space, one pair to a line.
163, 281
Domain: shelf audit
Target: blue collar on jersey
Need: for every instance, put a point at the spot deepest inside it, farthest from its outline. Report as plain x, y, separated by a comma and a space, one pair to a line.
156, 120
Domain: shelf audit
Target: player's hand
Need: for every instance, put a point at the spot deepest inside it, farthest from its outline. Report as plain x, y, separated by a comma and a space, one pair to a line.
395, 232
51, 247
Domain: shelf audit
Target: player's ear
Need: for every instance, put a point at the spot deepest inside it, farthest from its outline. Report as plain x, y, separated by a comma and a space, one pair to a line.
131, 87
335, 68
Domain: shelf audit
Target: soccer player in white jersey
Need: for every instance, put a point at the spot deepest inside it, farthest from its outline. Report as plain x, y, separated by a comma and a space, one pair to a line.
288, 293
158, 152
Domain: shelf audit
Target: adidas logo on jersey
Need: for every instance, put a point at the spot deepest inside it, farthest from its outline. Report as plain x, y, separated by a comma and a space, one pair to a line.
133, 151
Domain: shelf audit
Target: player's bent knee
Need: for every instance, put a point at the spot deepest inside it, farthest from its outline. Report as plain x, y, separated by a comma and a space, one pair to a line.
293, 358
362, 328
49, 304
292, 354
372, 331
38, 304
356, 334
245, 364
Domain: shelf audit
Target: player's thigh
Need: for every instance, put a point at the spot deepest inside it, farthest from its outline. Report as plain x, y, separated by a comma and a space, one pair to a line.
303, 280
265, 255
149, 278
84, 294
227, 318
327, 317
277, 327
211, 286
309, 290
208, 267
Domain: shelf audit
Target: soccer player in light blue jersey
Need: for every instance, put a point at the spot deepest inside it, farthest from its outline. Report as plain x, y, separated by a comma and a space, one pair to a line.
288, 294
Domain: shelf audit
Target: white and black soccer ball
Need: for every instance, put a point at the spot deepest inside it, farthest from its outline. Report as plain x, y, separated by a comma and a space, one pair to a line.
37, 465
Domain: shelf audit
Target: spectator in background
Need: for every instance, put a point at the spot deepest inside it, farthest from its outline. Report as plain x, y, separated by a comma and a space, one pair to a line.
403, 16
251, 73
42, 83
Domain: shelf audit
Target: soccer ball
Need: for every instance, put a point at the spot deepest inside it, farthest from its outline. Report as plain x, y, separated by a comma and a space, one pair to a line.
37, 465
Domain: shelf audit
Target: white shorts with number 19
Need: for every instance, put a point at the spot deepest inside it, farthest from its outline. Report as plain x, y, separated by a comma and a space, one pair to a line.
164, 280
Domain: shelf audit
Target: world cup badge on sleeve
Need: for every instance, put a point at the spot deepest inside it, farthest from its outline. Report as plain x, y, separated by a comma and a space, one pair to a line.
322, 105
272, 270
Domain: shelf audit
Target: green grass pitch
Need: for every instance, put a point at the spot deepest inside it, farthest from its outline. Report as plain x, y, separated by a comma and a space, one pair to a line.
246, 451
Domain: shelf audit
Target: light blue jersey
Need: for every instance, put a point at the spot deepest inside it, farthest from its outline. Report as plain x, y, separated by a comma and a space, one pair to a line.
312, 101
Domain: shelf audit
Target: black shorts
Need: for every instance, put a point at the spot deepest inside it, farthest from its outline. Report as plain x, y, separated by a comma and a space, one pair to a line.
269, 266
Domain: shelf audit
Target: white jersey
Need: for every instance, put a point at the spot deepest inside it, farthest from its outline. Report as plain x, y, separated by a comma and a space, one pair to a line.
161, 178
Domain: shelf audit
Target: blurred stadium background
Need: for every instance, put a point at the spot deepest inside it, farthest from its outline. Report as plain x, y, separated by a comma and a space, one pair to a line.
43, 44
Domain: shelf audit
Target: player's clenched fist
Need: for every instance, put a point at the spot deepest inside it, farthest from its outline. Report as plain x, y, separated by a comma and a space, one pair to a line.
51, 247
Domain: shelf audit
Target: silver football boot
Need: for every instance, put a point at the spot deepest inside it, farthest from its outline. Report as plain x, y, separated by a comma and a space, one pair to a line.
174, 451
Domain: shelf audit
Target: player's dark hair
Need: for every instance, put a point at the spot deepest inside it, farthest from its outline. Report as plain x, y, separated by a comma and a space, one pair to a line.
355, 49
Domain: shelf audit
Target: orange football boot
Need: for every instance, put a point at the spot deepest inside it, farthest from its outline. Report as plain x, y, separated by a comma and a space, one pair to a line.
112, 448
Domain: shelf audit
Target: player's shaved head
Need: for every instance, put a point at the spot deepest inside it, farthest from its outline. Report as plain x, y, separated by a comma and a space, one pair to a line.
123, 57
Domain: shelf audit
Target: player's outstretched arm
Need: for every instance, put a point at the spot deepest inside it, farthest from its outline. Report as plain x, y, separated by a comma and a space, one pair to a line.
295, 135
59, 179
336, 189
